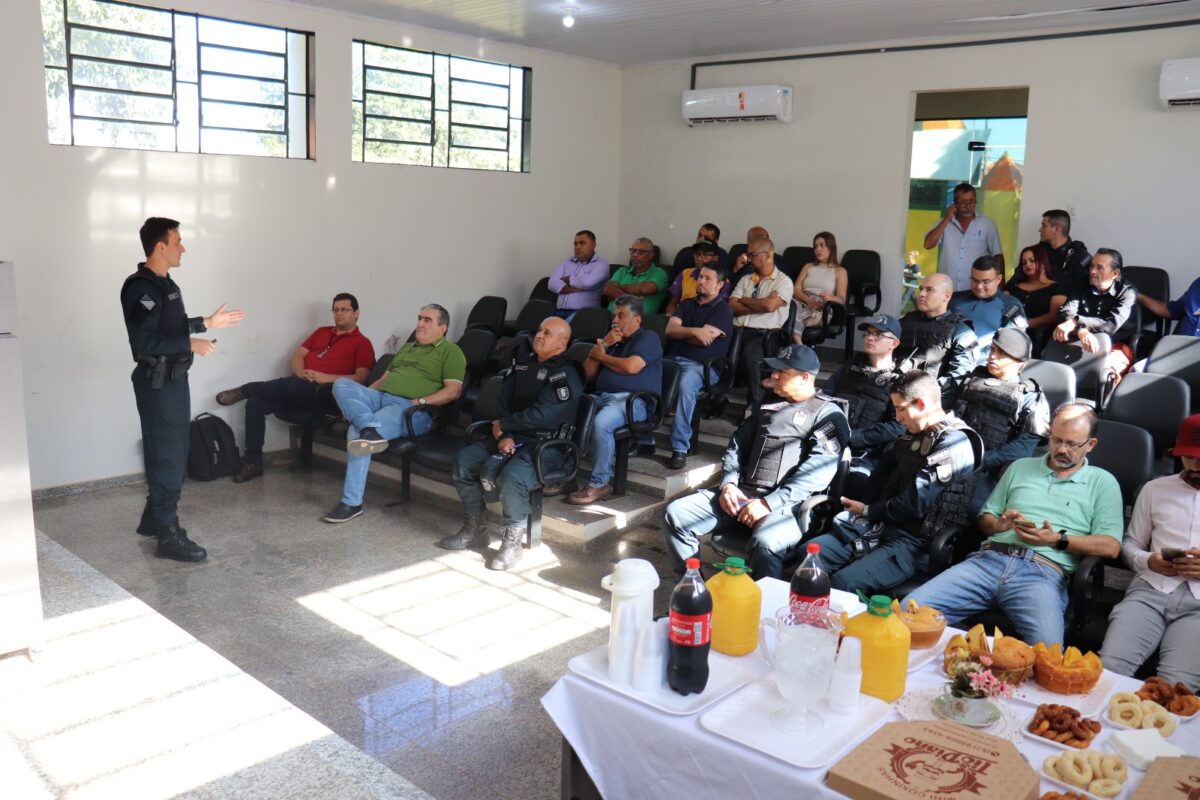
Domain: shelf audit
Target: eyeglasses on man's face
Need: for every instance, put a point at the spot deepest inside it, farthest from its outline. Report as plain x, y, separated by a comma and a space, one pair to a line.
1057, 442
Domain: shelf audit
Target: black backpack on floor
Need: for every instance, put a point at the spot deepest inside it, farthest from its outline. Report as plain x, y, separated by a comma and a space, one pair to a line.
213, 451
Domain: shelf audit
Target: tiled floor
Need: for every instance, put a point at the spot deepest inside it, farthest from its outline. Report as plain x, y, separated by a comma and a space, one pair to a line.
423, 659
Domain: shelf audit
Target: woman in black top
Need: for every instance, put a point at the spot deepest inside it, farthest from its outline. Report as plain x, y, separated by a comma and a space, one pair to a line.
1041, 296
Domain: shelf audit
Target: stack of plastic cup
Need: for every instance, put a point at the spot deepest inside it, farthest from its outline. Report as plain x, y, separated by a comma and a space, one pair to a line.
846, 685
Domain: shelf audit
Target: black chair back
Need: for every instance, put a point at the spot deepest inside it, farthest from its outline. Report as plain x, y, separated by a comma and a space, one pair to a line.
862, 282
477, 345
488, 314
1057, 381
670, 383
541, 291
381, 365
487, 404
658, 324
1179, 356
1128, 453
794, 259
590, 324
532, 314
683, 259
1152, 282
1156, 403
584, 421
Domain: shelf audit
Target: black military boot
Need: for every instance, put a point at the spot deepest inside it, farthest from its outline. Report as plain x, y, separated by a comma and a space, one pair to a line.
174, 544
511, 548
472, 535
147, 526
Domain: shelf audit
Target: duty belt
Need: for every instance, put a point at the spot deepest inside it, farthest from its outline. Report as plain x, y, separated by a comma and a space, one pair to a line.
1021, 551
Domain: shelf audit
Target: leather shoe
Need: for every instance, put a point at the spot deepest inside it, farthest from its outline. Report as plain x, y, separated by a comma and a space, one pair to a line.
589, 495
248, 472
230, 396
555, 489
174, 544
678, 460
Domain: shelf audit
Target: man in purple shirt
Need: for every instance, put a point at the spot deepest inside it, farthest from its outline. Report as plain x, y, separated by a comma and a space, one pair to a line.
579, 280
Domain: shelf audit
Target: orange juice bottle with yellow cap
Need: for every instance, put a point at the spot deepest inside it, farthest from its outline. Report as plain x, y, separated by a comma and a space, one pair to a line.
737, 607
885, 645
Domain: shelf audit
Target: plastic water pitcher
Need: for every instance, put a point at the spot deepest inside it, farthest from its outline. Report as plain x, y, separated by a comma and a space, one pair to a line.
885, 645
737, 606
632, 584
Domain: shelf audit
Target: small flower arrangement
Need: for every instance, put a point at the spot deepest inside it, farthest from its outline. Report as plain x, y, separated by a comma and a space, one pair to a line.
969, 678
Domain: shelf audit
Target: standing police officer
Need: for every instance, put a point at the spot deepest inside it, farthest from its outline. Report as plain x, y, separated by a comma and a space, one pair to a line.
539, 399
159, 338
775, 460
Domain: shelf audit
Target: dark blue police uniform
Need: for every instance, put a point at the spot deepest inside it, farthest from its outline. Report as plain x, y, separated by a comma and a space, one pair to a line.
160, 341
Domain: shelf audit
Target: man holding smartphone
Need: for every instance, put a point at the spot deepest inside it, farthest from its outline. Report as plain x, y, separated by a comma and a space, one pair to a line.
1042, 517
1161, 609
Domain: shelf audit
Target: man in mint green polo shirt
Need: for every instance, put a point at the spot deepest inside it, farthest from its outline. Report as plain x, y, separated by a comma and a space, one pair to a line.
641, 277
427, 372
1044, 515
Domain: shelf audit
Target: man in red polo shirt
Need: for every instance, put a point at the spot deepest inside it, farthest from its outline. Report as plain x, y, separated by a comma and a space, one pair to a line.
330, 352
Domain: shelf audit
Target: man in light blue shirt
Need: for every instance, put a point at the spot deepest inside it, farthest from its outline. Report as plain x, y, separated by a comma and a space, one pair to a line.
579, 280
985, 307
963, 236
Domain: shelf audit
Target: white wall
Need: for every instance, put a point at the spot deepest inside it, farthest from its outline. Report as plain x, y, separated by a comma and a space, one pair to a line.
1097, 141
275, 237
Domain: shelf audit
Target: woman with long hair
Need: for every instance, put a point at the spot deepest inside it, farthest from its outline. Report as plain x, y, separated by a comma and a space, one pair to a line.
820, 282
1031, 285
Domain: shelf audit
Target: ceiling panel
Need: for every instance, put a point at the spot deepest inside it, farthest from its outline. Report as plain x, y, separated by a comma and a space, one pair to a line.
644, 31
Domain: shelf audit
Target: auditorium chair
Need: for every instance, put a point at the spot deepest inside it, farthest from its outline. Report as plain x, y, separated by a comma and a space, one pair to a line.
862, 282
488, 314
1179, 356
627, 435
795, 258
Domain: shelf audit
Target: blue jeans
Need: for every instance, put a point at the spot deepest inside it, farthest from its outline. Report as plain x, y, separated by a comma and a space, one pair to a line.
610, 415
1031, 594
691, 380
371, 408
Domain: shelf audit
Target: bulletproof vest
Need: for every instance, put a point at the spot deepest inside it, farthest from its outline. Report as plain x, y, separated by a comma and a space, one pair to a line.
925, 340
915, 451
992, 406
149, 291
867, 393
784, 437
530, 376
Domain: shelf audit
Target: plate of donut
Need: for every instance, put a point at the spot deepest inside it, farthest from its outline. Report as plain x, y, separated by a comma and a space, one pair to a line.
1177, 698
1127, 710
1061, 726
1088, 772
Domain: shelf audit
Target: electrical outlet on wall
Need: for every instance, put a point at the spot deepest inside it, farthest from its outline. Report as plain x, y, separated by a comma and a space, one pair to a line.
1073, 212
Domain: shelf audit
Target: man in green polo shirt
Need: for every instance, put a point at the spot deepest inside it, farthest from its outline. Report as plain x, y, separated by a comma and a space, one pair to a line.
427, 372
1044, 515
642, 277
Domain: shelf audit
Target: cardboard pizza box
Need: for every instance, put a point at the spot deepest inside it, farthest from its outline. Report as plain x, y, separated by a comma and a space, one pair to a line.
1170, 779
934, 761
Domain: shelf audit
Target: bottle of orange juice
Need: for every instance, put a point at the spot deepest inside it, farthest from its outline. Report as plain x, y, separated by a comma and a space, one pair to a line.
885, 645
737, 607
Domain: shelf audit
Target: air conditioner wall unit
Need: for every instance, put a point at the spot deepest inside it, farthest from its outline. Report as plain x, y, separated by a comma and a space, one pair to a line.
1179, 83
738, 104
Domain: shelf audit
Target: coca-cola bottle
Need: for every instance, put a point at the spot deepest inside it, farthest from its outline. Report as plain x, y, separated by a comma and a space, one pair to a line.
810, 584
690, 632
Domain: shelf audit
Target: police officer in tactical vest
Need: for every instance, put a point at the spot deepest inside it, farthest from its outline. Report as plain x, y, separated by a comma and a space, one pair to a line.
775, 460
159, 337
865, 383
539, 399
875, 546
935, 339
1010, 415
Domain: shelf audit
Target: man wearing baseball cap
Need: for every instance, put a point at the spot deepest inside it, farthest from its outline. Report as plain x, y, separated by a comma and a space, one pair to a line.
1161, 609
865, 384
775, 460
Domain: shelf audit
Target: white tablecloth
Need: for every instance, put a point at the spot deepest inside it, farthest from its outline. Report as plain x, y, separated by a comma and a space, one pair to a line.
632, 750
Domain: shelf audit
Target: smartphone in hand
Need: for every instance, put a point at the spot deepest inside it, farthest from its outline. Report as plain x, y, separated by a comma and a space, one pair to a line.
1172, 553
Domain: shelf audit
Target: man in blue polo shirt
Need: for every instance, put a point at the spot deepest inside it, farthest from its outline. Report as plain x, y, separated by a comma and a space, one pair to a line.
985, 307
699, 330
628, 359
1044, 515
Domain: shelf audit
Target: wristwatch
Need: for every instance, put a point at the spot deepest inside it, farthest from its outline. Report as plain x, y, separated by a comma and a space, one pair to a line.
1061, 544
421, 401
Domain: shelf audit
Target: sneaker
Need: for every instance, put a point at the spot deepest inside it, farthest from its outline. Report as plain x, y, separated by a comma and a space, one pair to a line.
645, 449
230, 396
248, 472
369, 441
589, 495
343, 513
678, 460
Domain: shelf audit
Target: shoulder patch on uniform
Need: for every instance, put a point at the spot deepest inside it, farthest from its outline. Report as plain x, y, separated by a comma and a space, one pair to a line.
944, 472
561, 385
827, 437
801, 418
147, 302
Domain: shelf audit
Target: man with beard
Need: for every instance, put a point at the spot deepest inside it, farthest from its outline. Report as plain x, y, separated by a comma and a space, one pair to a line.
1043, 516
1161, 609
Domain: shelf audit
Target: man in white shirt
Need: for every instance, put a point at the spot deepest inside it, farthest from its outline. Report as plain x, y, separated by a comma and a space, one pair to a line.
1161, 609
963, 236
760, 305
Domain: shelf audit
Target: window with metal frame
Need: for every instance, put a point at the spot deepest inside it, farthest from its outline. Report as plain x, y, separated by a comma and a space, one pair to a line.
133, 76
437, 110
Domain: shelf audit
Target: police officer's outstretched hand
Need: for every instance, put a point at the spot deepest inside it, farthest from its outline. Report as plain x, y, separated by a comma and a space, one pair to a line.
223, 318
202, 347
